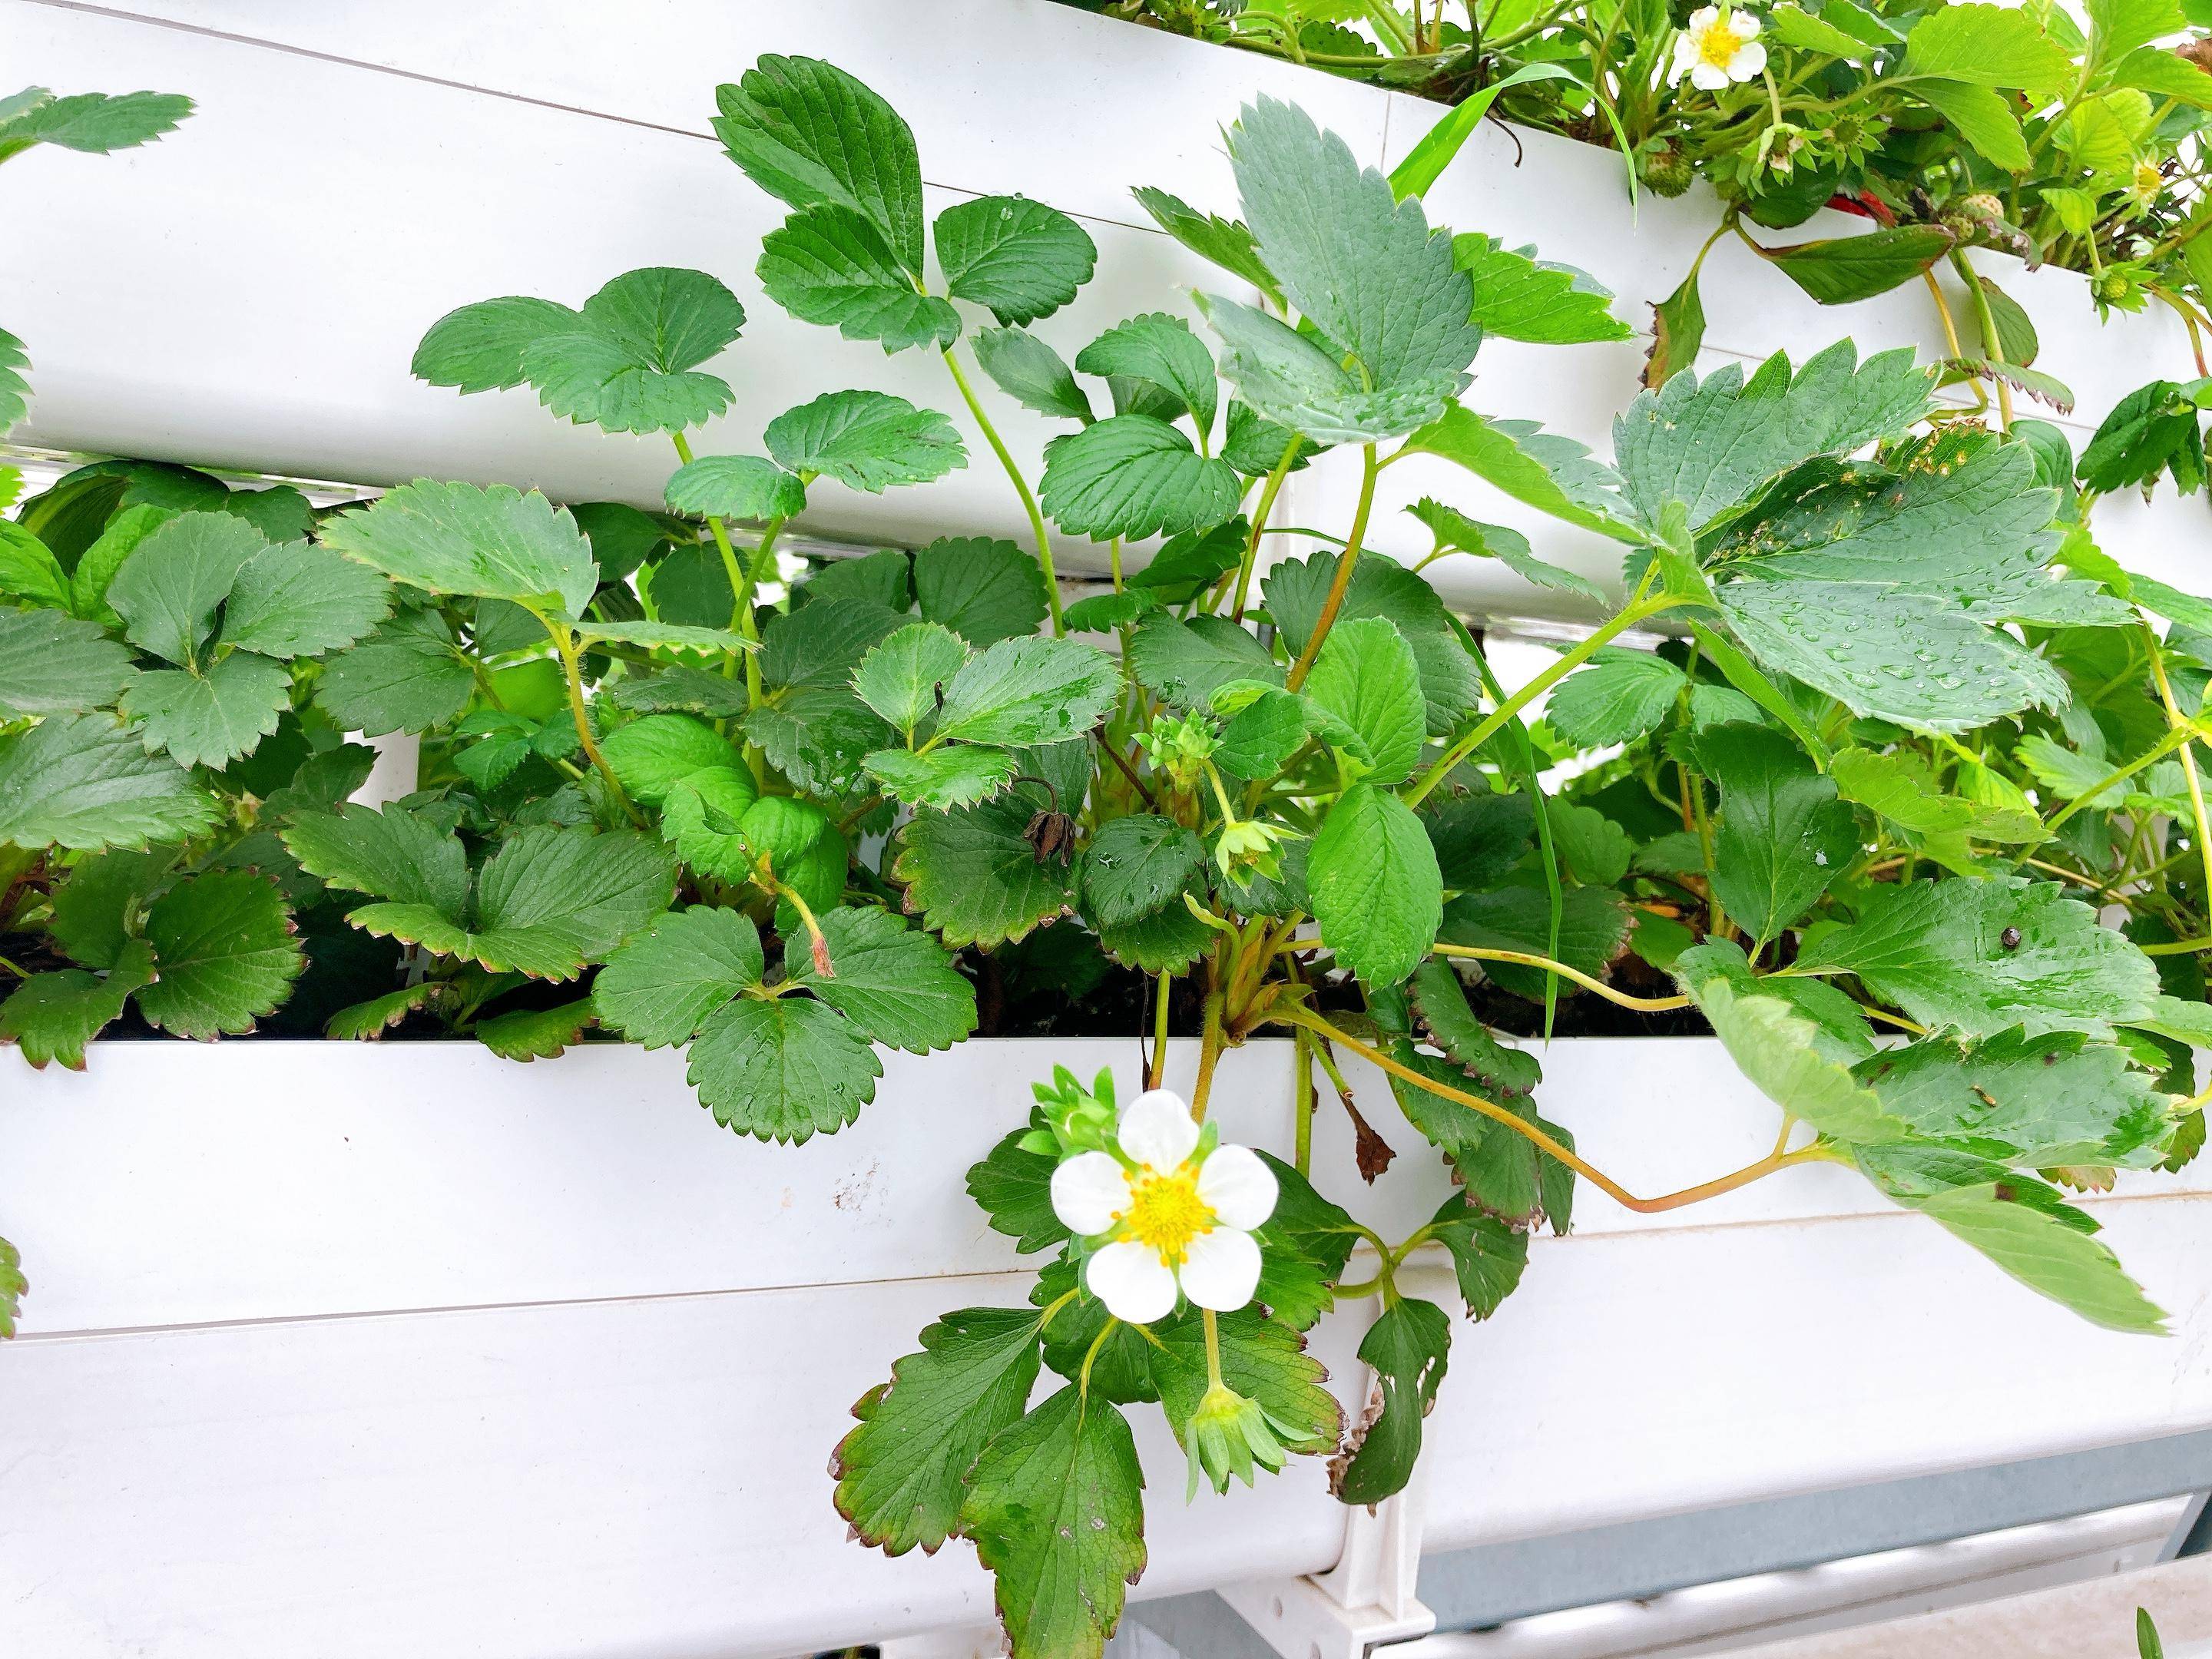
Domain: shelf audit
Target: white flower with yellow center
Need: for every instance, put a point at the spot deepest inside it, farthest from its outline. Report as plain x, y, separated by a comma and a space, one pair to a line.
1174, 1210
1720, 45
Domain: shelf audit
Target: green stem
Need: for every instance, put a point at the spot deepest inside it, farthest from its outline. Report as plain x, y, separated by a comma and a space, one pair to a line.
1302, 1103
1640, 610
1345, 561
1259, 528
2166, 746
564, 641
1021, 488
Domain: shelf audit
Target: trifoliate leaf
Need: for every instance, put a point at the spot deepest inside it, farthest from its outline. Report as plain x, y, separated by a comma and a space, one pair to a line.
808, 133
494, 541
828, 265
531, 1034
1295, 383
1376, 892
1409, 1346
902, 1475
1029, 690
85, 782
1488, 1257
1710, 443
1021, 258
169, 590
1366, 679
943, 778
209, 719
549, 900
1508, 546
1619, 696
1136, 865
1160, 349
52, 664
866, 440
983, 588
1361, 266
1518, 298
1783, 1053
295, 599
478, 348
1184, 663
1980, 957
1032, 374
628, 365
2039, 1102
1227, 242
53, 1015
1134, 476
1055, 1506
225, 952
659, 987
897, 985
783, 1068
408, 675
746, 487
902, 679
1451, 683
1986, 45
974, 875
1783, 835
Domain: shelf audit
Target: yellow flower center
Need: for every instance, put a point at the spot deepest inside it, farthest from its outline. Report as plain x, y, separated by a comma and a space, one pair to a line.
1719, 43
2149, 179
1165, 1214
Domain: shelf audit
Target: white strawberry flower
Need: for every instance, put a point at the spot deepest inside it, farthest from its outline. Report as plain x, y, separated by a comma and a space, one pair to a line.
1174, 1210
1720, 45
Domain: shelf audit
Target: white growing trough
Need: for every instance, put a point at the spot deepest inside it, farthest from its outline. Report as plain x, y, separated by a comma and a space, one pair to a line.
357, 1351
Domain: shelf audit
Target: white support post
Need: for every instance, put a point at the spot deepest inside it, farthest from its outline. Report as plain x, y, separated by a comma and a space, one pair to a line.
1368, 1600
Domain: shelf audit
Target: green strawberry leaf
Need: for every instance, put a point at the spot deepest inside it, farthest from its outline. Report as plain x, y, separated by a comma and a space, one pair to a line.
295, 599
407, 676
829, 266
783, 1068
866, 440
1019, 258
1055, 1507
212, 719
478, 348
1029, 372
52, 664
902, 1473
1159, 348
225, 953
493, 542
1517, 299
52, 1016
984, 589
659, 987
1376, 892
900, 678
1136, 865
168, 591
630, 365
1029, 690
744, 487
1409, 1347
1134, 476
897, 986
943, 778
974, 875
1368, 683
85, 782
531, 1034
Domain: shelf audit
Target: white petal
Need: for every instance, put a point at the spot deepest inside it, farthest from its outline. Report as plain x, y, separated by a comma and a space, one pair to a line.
1747, 62
1745, 25
1088, 1192
1157, 1129
1686, 52
1221, 1269
1236, 1187
1135, 1284
1706, 78
1702, 19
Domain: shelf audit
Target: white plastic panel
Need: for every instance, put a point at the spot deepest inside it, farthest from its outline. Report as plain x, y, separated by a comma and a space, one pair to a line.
283, 267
